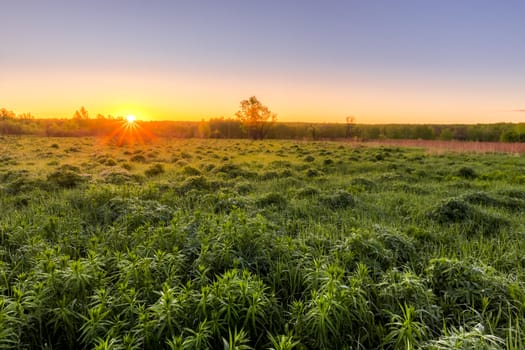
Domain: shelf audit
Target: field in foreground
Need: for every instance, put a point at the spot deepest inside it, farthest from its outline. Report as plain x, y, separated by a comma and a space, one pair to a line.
268, 245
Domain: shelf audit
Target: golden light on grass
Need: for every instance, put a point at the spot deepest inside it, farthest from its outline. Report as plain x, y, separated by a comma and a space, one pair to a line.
129, 131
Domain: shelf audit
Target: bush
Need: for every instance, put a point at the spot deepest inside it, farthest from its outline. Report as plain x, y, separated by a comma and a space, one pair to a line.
452, 211
462, 287
154, 170
482, 198
226, 204
185, 155
110, 162
240, 300
243, 187
138, 158
272, 199
233, 171
471, 219
134, 212
467, 173
116, 176
309, 159
269, 175
363, 182
513, 193
339, 200
307, 192
312, 172
66, 176
194, 183
401, 245
398, 288
363, 247
190, 171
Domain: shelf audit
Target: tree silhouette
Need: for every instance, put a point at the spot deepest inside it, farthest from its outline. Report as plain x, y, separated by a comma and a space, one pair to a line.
255, 117
81, 114
350, 120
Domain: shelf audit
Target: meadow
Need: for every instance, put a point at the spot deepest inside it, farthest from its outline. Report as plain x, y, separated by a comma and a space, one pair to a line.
237, 244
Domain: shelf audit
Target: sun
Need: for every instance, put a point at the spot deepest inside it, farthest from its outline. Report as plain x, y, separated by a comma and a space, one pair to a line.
131, 118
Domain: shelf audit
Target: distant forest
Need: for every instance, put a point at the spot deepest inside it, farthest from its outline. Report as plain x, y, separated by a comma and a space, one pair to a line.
82, 125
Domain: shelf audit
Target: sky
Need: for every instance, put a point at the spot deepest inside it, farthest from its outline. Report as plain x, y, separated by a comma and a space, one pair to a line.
380, 61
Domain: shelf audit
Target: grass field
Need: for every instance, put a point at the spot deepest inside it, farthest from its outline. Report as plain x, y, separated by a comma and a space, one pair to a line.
234, 244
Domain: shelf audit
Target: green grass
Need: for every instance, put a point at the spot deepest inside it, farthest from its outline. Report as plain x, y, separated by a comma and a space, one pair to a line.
188, 244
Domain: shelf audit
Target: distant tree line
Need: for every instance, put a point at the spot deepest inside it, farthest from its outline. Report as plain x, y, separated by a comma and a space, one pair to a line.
81, 124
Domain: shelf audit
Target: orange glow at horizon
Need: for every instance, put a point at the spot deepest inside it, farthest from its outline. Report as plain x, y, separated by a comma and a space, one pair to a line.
129, 132
193, 96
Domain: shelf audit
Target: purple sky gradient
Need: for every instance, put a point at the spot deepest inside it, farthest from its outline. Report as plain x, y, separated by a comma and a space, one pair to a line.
425, 55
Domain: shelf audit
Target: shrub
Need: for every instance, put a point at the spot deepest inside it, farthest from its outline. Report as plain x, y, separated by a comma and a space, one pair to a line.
465, 338
208, 167
463, 287
407, 288
480, 198
268, 175
363, 182
312, 172
181, 163
73, 149
185, 155
467, 173
154, 170
273, 199
513, 193
110, 162
243, 187
285, 173
309, 159
307, 192
339, 200
452, 210
363, 247
116, 176
471, 219
232, 171
194, 183
379, 157
21, 184
138, 158
190, 171
241, 301
225, 204
66, 176
401, 245
135, 212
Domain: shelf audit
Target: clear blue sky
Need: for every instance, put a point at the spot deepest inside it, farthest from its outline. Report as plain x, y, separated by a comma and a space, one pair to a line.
382, 61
